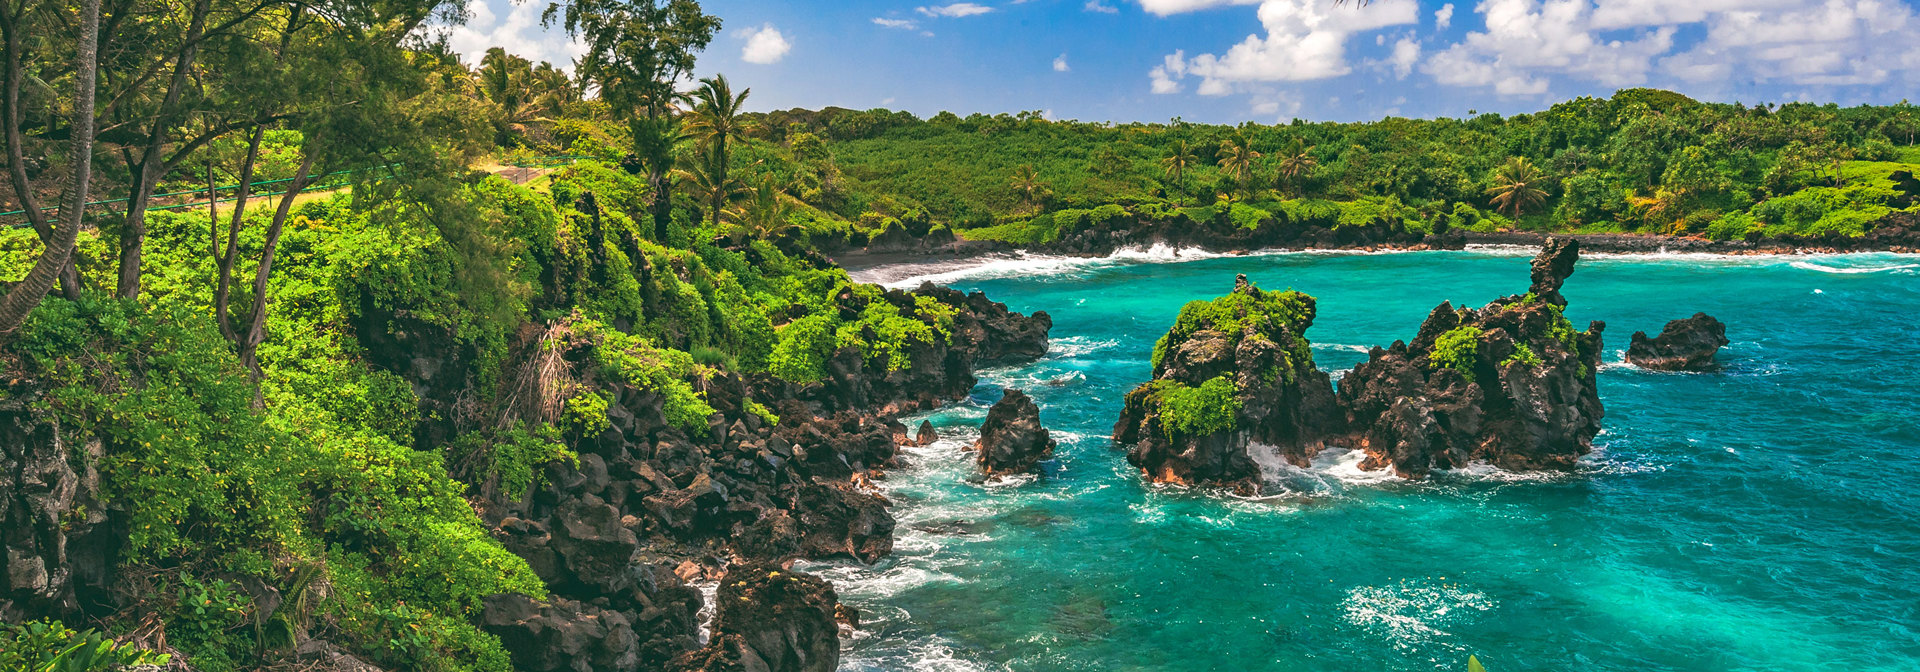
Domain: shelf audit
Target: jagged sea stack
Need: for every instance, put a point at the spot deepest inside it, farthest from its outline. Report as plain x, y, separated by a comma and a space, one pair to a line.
1232, 372
1511, 383
1684, 345
1012, 440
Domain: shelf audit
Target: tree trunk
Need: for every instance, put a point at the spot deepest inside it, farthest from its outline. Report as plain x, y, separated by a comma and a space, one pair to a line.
225, 255
11, 17
257, 322
133, 236
28, 294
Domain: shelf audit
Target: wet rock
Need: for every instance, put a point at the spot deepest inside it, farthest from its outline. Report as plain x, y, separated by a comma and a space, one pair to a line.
561, 635
1512, 383
1233, 383
770, 619
926, 436
1011, 439
1684, 345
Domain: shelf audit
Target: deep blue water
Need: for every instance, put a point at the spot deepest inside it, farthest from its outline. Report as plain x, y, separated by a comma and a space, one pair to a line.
1763, 518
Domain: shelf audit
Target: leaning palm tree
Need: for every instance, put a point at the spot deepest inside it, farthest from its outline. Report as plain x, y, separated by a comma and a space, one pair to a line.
1237, 158
764, 214
1518, 186
1026, 182
714, 119
1298, 163
1177, 163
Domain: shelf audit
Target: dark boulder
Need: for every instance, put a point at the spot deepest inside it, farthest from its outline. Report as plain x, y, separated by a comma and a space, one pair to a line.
57, 547
1684, 345
561, 635
1012, 440
768, 619
926, 436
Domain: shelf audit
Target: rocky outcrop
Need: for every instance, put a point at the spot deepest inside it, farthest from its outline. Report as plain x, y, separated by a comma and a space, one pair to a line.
982, 333
1684, 345
1234, 384
1235, 375
770, 619
1012, 440
1511, 383
926, 436
57, 545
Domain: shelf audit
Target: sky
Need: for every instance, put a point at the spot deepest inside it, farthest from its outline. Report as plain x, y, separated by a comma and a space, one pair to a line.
1271, 61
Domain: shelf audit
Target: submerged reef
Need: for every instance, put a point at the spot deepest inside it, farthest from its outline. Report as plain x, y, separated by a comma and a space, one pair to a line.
1234, 386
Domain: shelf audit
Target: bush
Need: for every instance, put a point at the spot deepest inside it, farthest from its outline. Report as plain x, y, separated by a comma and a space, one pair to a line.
1456, 349
49, 646
1197, 411
801, 350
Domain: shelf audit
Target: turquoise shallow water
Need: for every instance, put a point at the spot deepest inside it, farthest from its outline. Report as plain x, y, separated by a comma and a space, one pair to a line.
1764, 518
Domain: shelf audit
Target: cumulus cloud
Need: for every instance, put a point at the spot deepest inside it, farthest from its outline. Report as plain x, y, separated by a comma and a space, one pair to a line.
1406, 53
1166, 76
955, 10
1095, 6
519, 32
1529, 43
1060, 64
765, 45
1443, 17
1305, 40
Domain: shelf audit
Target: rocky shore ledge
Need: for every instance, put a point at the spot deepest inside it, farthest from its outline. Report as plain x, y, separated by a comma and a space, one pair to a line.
1234, 389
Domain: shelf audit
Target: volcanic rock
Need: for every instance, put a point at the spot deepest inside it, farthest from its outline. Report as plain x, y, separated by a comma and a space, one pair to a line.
926, 436
1684, 345
1511, 383
1012, 440
771, 619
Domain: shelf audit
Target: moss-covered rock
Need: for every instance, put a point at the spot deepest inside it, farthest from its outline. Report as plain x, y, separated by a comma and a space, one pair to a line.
1233, 373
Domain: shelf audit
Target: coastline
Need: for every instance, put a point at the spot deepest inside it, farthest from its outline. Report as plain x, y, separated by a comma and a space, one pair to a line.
963, 251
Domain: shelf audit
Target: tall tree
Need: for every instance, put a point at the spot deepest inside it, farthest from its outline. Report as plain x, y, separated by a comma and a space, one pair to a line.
1178, 161
714, 120
1026, 182
22, 299
636, 50
764, 214
1518, 187
1297, 163
1237, 159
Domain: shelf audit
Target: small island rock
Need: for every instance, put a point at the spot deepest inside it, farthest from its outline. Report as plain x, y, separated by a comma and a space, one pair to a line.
1012, 440
926, 436
1684, 345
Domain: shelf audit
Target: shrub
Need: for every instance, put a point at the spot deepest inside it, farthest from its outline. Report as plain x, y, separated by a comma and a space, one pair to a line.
801, 349
1197, 411
1456, 349
49, 646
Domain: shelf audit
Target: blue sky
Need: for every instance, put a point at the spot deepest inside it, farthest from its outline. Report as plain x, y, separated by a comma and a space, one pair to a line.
1268, 61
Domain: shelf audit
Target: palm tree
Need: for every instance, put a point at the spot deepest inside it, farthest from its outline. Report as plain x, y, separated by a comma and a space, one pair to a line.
1027, 183
1518, 186
1177, 164
764, 215
1237, 158
715, 119
709, 182
1299, 162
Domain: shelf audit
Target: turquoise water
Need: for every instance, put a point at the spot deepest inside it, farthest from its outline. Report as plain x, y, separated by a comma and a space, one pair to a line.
1764, 518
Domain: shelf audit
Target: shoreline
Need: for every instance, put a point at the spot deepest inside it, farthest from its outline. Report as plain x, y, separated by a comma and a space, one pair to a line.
859, 260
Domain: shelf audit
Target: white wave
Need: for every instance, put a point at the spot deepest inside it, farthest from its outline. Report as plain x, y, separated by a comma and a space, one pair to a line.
1022, 264
1810, 266
1413, 613
1362, 349
1076, 346
932, 655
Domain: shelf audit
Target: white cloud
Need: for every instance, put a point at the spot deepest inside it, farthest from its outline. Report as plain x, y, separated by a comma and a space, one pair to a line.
1305, 40
1169, 7
1166, 75
1443, 17
1406, 53
1095, 6
955, 10
765, 45
520, 33
903, 24
1527, 41
1060, 64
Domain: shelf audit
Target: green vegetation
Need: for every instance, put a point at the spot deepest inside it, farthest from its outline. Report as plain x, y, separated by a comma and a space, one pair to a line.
1456, 349
49, 646
1196, 411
